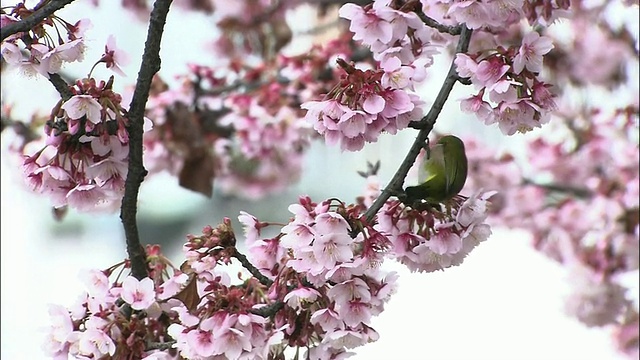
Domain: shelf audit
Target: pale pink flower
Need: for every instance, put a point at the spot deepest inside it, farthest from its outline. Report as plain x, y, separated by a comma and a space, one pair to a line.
71, 51
397, 102
10, 53
349, 339
83, 105
172, 286
503, 13
232, 342
465, 65
96, 282
354, 312
531, 51
373, 104
331, 222
354, 123
265, 254
474, 209
355, 143
490, 71
515, 117
115, 57
80, 27
445, 240
60, 328
594, 301
330, 249
299, 297
369, 26
354, 289
110, 168
251, 227
201, 342
296, 235
395, 74
328, 319
471, 12
85, 197
476, 105
140, 294
96, 343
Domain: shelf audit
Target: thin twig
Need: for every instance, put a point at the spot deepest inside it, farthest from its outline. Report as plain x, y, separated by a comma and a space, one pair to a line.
579, 192
34, 19
136, 172
425, 125
252, 269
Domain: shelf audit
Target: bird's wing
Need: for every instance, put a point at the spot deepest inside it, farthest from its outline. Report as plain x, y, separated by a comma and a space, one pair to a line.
451, 168
429, 167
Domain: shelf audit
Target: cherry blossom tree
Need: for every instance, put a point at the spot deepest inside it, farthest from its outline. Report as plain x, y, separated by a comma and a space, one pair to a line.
560, 75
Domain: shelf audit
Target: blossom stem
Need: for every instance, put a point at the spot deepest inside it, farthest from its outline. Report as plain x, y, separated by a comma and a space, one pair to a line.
425, 125
136, 172
28, 23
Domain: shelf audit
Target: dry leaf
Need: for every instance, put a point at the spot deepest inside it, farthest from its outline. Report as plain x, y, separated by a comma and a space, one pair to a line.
189, 295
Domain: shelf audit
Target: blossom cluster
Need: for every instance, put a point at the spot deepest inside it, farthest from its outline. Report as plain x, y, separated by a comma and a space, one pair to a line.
43, 49
316, 285
366, 103
252, 143
518, 100
83, 163
431, 239
579, 201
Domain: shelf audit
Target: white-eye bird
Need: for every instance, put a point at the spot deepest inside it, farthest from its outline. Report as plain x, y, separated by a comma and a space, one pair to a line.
442, 173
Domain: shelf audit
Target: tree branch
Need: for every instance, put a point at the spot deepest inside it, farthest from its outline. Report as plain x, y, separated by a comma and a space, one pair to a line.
252, 269
453, 30
61, 85
160, 345
579, 192
136, 172
34, 19
425, 125
268, 310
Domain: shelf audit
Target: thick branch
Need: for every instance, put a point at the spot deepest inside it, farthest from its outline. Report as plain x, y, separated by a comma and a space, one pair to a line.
34, 19
425, 125
136, 172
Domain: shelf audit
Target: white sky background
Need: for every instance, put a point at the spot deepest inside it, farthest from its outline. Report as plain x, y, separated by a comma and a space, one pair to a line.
504, 302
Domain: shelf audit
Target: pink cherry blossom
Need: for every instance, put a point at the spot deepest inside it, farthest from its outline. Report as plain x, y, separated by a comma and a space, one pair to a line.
96, 281
114, 57
530, 53
298, 297
368, 26
140, 294
83, 105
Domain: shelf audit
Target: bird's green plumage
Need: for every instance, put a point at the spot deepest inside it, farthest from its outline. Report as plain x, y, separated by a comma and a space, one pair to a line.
442, 173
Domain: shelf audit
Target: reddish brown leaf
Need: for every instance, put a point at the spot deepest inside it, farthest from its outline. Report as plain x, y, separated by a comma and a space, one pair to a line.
197, 173
189, 295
